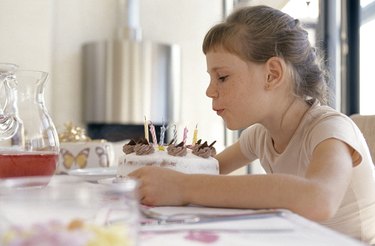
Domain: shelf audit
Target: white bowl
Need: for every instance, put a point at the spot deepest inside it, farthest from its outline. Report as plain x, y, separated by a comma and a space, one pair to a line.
35, 200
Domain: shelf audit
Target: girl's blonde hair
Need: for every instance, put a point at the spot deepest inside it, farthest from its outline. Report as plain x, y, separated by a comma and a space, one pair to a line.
258, 33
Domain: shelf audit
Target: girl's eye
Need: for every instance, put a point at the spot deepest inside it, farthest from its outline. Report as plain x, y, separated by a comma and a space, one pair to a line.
223, 78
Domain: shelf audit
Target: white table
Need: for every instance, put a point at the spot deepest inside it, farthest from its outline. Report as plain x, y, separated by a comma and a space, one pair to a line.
74, 199
284, 228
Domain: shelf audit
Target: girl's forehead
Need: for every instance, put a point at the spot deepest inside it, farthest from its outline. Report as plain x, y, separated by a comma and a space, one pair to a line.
222, 58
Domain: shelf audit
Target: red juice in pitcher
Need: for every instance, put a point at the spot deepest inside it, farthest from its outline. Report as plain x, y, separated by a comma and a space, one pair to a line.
27, 164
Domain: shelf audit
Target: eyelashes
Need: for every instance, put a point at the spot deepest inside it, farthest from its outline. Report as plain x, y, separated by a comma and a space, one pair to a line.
223, 78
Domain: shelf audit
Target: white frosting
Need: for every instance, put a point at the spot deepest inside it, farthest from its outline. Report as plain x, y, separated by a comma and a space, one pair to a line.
186, 164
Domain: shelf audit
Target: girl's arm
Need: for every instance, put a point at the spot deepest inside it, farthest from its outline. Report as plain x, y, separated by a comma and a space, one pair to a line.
316, 196
231, 159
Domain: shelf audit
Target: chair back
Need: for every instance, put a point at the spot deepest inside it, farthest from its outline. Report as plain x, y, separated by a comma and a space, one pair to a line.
366, 123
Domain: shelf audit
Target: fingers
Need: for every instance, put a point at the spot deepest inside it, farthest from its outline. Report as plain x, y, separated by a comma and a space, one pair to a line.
148, 195
145, 184
135, 174
157, 186
140, 171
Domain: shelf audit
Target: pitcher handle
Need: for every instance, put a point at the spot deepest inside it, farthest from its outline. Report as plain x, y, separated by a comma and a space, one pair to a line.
9, 122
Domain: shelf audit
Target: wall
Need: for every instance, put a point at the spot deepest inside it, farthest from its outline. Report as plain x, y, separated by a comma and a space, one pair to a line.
26, 34
48, 35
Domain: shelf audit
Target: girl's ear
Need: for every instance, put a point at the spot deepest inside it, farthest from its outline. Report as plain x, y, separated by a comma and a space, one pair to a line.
276, 68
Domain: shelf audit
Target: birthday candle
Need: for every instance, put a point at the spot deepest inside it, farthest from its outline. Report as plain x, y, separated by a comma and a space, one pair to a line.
195, 134
174, 139
185, 135
162, 134
146, 130
153, 134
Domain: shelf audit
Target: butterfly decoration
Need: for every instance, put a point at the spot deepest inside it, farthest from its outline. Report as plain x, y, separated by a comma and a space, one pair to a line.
80, 159
103, 156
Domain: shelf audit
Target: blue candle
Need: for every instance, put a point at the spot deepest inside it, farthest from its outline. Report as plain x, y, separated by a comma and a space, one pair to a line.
162, 134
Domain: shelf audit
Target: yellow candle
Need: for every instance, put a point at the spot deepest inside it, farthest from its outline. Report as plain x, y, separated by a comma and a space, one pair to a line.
146, 130
195, 134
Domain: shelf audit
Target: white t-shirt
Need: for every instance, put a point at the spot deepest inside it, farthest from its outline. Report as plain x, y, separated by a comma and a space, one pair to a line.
356, 215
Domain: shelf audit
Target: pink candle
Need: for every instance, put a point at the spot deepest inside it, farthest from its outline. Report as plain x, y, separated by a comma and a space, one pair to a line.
153, 134
185, 135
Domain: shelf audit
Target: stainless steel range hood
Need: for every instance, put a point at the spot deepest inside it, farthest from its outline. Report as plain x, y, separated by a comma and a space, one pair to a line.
128, 78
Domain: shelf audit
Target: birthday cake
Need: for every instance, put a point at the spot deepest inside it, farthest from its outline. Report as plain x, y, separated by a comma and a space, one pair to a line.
194, 159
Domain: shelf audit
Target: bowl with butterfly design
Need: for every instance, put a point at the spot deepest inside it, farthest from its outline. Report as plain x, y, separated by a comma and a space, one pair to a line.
84, 155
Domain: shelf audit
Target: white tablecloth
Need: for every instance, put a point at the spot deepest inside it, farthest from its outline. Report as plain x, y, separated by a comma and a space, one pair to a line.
73, 200
284, 228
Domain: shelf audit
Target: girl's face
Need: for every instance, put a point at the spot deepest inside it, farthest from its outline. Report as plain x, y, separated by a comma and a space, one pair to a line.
237, 89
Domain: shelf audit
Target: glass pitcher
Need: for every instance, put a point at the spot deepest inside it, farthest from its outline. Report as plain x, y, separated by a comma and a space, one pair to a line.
8, 120
33, 147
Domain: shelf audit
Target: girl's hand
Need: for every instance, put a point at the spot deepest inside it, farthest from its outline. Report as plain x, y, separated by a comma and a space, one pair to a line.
160, 186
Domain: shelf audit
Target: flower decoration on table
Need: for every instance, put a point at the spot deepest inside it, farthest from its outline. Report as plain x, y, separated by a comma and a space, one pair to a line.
75, 233
73, 133
77, 150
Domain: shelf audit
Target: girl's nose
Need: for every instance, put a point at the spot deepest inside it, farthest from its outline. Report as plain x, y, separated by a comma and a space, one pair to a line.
211, 90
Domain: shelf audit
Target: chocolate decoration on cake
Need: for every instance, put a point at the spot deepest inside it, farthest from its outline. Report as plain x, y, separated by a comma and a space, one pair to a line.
213, 150
204, 150
198, 142
177, 150
172, 156
196, 145
129, 147
143, 147
172, 142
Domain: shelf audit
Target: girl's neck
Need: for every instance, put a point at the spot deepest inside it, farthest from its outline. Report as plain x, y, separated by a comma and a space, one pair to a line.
287, 122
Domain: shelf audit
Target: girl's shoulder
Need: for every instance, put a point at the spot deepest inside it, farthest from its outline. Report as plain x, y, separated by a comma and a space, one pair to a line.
324, 122
325, 115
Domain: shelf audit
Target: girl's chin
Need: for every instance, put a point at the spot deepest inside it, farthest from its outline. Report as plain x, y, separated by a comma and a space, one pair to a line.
230, 126
234, 126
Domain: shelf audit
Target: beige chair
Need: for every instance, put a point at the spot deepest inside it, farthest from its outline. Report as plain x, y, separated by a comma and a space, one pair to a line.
366, 123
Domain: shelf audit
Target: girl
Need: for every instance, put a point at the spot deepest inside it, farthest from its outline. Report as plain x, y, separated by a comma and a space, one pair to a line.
266, 79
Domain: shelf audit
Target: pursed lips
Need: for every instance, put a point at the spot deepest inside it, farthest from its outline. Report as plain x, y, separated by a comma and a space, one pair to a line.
218, 111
